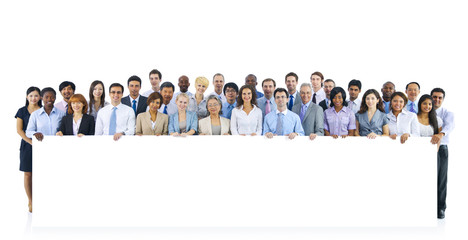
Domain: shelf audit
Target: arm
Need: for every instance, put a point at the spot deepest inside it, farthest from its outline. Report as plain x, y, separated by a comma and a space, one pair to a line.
234, 122
356, 132
165, 126
319, 122
385, 130
259, 122
19, 130
130, 124
139, 130
99, 129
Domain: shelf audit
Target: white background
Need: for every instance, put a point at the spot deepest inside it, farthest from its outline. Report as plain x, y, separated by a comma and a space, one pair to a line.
46, 42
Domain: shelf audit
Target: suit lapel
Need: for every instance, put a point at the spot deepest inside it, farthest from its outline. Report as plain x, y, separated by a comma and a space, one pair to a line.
307, 113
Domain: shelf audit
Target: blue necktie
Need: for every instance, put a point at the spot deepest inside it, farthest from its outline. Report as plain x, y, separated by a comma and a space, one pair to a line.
113, 121
412, 108
290, 104
165, 109
134, 106
229, 113
279, 125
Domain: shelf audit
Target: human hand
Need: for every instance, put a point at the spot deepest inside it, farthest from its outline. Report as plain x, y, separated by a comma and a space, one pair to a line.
269, 135
39, 136
371, 135
292, 135
393, 136
404, 137
436, 138
117, 136
312, 136
59, 133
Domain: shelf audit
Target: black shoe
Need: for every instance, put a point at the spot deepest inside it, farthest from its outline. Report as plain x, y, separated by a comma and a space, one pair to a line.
441, 214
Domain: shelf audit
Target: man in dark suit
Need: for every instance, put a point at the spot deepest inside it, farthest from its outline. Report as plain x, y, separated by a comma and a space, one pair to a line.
134, 99
311, 114
291, 79
328, 85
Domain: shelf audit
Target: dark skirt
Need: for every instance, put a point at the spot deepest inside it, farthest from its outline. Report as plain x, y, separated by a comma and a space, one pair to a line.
25, 157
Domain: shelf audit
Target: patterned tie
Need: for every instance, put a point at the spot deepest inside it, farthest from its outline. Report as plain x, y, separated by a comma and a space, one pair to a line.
303, 111
412, 108
267, 107
314, 100
291, 101
113, 121
279, 124
134, 106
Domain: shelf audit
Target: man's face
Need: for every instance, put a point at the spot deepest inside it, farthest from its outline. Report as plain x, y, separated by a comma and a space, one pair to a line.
167, 94
306, 94
412, 92
67, 92
134, 88
291, 84
115, 94
327, 87
316, 81
387, 90
230, 94
184, 83
354, 92
438, 98
281, 100
218, 82
268, 89
154, 80
250, 80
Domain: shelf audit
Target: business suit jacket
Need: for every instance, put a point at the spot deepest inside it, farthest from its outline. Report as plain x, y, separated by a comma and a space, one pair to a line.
204, 125
141, 107
313, 118
191, 119
262, 102
144, 124
86, 125
323, 104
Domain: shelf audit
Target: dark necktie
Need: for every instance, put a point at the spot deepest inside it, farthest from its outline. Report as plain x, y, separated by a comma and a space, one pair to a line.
314, 100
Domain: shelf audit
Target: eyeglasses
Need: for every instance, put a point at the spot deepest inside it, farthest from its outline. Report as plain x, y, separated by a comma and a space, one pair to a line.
213, 105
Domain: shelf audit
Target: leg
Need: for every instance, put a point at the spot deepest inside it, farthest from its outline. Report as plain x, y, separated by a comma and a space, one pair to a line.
442, 167
28, 188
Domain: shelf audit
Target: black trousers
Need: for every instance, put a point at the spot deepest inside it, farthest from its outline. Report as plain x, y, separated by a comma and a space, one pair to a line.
442, 167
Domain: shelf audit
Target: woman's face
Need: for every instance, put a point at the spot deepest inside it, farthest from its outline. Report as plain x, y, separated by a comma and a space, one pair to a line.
200, 88
155, 104
247, 95
426, 106
33, 97
182, 103
371, 101
213, 106
338, 100
48, 99
98, 90
77, 106
398, 103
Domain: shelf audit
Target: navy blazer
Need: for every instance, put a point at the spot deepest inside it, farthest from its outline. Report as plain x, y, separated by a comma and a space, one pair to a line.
141, 108
86, 126
190, 118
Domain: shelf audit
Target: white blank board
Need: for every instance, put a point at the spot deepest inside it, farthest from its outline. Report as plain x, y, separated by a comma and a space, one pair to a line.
233, 181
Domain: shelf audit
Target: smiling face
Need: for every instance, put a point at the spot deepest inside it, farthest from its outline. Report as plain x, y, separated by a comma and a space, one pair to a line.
167, 94
371, 101
213, 106
134, 88
268, 89
98, 90
67, 92
77, 106
438, 98
184, 84
306, 94
33, 97
338, 100
155, 105
218, 82
48, 100
231, 94
281, 100
251, 80
291, 84
182, 103
398, 103
316, 81
247, 95
154, 80
353, 92
412, 92
115, 94
200, 88
387, 90
426, 106
327, 87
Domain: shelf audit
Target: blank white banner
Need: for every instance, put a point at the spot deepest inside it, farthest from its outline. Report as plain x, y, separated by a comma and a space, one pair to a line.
233, 181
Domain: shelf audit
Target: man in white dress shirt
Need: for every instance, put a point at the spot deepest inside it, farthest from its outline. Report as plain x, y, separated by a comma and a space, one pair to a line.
116, 118
354, 88
291, 79
438, 94
155, 79
167, 92
218, 83
67, 89
318, 94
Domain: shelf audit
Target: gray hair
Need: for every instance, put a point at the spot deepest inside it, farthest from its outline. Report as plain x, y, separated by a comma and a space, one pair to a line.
306, 85
219, 102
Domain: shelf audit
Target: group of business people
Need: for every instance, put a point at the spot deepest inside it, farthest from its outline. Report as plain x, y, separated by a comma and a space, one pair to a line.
232, 112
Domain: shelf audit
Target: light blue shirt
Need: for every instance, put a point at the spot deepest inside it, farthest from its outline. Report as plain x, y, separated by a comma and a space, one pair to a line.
190, 118
262, 104
40, 122
408, 106
387, 106
227, 109
291, 123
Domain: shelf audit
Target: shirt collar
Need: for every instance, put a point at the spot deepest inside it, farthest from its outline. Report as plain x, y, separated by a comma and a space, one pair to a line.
284, 112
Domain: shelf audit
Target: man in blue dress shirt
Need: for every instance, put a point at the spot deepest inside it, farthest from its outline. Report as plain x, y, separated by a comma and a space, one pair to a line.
267, 102
230, 92
412, 91
388, 89
282, 122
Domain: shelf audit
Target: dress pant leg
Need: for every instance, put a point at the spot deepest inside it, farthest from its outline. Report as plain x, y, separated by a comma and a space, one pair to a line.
442, 167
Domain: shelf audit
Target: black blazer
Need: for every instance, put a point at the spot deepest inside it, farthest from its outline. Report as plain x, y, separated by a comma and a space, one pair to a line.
141, 108
323, 104
86, 126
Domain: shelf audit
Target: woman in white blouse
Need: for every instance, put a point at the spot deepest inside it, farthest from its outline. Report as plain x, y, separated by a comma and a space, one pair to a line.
97, 98
246, 118
401, 122
429, 122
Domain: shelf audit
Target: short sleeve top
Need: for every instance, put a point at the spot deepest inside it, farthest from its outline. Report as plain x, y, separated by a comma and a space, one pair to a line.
375, 125
24, 114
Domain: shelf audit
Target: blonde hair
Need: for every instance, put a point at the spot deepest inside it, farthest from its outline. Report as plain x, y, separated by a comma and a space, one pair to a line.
202, 80
182, 95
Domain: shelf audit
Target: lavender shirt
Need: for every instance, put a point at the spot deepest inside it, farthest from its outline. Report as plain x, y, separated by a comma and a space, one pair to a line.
338, 123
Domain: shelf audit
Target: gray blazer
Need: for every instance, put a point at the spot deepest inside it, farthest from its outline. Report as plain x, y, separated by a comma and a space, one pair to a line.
143, 124
313, 118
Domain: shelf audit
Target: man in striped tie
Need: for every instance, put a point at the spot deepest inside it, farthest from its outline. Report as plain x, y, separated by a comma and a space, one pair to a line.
412, 91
